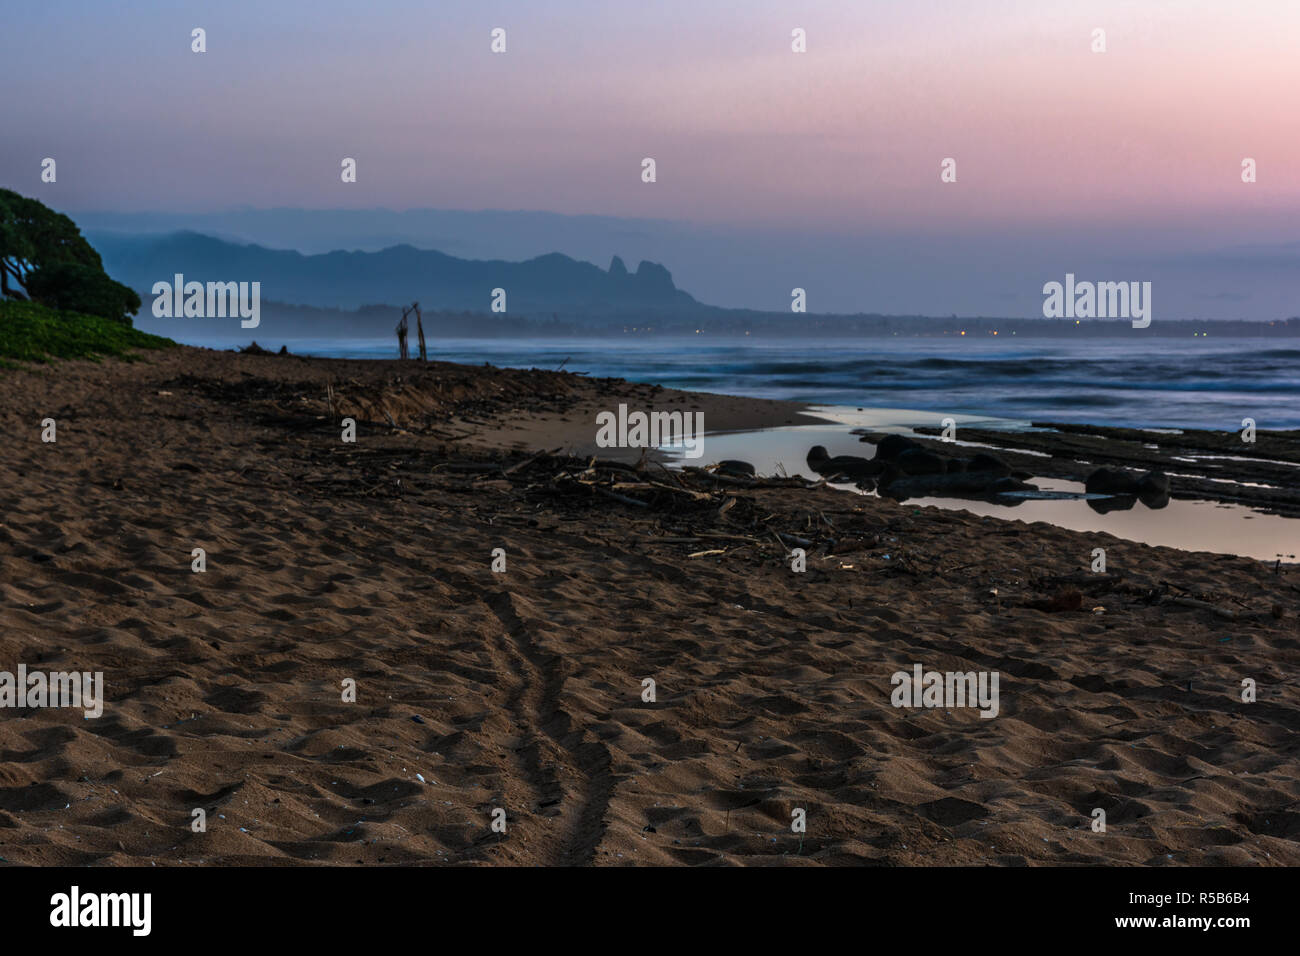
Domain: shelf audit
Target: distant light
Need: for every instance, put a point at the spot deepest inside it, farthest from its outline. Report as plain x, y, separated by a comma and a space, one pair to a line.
963, 332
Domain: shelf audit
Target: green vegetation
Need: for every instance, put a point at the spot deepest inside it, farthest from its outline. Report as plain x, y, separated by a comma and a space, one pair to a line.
44, 257
30, 332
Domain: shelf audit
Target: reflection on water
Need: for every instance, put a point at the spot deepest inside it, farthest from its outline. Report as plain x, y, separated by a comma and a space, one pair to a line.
1189, 525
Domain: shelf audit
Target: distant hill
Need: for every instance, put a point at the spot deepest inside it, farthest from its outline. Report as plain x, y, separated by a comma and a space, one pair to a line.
349, 280
348, 294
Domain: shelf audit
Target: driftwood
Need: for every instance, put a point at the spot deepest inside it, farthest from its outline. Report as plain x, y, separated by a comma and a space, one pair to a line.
419, 328
1102, 583
1223, 612
617, 497
716, 520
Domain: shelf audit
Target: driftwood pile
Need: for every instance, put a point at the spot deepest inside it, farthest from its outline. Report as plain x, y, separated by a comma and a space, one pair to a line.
1078, 591
701, 514
691, 507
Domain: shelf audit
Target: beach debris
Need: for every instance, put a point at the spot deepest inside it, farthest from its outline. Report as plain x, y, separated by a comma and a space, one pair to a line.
1066, 599
1223, 612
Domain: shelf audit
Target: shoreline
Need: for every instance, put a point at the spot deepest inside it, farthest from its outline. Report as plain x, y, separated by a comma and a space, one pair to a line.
372, 561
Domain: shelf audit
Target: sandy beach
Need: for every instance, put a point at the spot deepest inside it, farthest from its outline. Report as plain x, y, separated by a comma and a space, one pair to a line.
329, 562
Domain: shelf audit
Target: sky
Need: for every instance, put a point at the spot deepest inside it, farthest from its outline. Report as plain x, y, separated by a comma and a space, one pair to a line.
1066, 159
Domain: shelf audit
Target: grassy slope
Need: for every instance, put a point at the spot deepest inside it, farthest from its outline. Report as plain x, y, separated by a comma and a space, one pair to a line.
33, 333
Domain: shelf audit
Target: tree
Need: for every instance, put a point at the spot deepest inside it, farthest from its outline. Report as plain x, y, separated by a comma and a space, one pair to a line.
43, 256
73, 287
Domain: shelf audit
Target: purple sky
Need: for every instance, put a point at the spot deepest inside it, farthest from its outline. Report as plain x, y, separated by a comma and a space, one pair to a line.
1066, 158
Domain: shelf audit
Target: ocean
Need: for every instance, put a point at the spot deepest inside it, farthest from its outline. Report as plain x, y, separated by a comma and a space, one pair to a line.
1191, 383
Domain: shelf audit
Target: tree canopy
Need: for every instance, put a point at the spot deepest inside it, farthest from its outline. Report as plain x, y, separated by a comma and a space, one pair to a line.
44, 257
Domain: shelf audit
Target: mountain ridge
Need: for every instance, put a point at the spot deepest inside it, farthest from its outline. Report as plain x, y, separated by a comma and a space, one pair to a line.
349, 279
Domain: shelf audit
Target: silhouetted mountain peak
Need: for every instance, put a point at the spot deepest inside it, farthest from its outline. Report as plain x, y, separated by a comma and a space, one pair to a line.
651, 275
347, 279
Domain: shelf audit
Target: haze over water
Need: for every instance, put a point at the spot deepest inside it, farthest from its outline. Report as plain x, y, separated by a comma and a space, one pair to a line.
1193, 383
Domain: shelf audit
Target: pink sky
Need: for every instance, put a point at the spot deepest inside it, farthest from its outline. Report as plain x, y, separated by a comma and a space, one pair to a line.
743, 129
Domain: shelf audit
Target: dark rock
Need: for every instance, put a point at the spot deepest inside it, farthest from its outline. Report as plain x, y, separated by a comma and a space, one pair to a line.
1153, 483
918, 461
736, 468
999, 486
891, 446
1153, 489
984, 462
961, 485
817, 457
1155, 500
819, 460
1113, 503
1112, 481
889, 473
